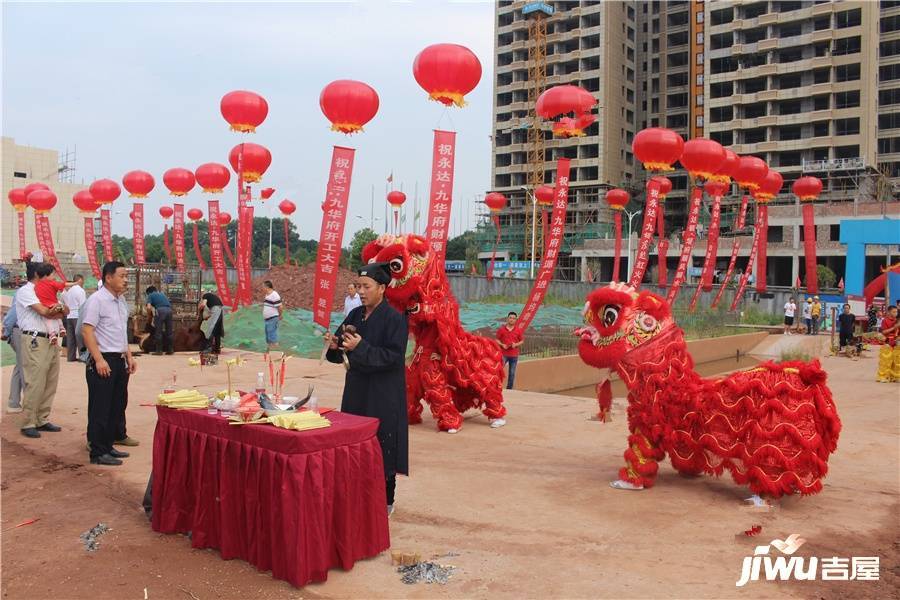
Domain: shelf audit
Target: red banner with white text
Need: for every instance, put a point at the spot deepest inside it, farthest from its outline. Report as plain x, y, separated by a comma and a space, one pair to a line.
749, 270
90, 245
762, 243
106, 233
735, 248
39, 233
809, 248
334, 216
137, 226
712, 248
42, 223
643, 252
742, 214
216, 259
687, 245
554, 245
244, 294
440, 204
20, 215
178, 235
662, 246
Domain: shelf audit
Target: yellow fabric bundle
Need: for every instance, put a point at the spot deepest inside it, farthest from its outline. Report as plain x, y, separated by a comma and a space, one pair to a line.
299, 421
183, 399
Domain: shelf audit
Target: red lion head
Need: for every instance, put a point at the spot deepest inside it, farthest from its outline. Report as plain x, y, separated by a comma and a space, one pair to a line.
407, 256
618, 319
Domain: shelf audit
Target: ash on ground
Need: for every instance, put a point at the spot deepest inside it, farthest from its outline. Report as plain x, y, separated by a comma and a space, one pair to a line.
429, 572
91, 537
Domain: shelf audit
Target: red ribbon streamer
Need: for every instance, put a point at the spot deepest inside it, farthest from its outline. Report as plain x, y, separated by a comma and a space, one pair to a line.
545, 222
166, 243
809, 248
441, 200
227, 247
20, 215
90, 245
197, 246
742, 215
617, 258
287, 242
735, 248
548, 262
106, 234
762, 226
328, 257
216, 233
687, 245
712, 248
137, 226
45, 242
490, 272
643, 252
178, 234
749, 270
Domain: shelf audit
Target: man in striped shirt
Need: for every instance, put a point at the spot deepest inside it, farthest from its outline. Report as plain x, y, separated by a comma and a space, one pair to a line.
272, 314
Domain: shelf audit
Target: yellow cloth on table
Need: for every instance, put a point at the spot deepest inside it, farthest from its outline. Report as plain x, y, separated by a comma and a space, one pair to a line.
889, 364
183, 399
299, 421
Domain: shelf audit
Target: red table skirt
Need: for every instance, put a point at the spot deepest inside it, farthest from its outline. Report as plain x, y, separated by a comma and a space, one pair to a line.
295, 503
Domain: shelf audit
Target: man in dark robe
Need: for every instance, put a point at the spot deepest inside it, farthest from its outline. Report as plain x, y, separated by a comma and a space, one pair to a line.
373, 339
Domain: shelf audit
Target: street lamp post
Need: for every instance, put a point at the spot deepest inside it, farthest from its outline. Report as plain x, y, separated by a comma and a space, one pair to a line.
630, 215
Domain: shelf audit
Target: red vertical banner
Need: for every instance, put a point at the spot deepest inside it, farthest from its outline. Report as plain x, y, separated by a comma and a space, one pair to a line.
39, 233
178, 235
712, 244
617, 249
42, 225
328, 257
742, 214
247, 253
20, 215
735, 247
442, 161
554, 245
643, 252
687, 245
545, 224
809, 248
90, 245
137, 226
216, 258
662, 247
227, 247
748, 271
490, 271
106, 234
287, 241
762, 241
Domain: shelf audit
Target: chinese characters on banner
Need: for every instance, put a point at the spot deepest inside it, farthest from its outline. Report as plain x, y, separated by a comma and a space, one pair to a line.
216, 258
39, 232
178, 235
809, 248
22, 250
687, 245
762, 241
742, 215
90, 245
245, 243
441, 193
334, 216
712, 248
554, 245
643, 252
45, 242
749, 270
137, 226
106, 234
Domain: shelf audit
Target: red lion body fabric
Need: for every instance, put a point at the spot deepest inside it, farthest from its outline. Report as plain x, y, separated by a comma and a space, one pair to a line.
452, 370
772, 427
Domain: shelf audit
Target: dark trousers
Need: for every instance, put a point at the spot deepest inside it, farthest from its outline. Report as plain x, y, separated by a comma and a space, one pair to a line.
390, 486
71, 344
845, 337
163, 320
512, 361
107, 399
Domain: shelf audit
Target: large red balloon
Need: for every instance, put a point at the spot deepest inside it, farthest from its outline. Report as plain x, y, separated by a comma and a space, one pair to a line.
18, 198
42, 200
348, 104
702, 158
665, 185
195, 214
807, 188
243, 110
544, 195
166, 212
495, 201
565, 99
85, 202
224, 219
770, 186
287, 207
716, 187
34, 186
396, 198
750, 172
105, 191
447, 72
254, 160
728, 168
179, 181
213, 177
657, 148
617, 199
138, 184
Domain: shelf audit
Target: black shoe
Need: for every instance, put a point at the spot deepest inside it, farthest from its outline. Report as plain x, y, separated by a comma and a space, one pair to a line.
157, 353
31, 432
105, 459
49, 427
170, 352
118, 454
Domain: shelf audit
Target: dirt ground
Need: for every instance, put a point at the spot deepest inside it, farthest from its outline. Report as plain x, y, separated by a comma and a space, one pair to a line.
522, 512
296, 285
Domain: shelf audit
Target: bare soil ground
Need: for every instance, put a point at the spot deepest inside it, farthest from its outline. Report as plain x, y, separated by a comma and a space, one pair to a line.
523, 511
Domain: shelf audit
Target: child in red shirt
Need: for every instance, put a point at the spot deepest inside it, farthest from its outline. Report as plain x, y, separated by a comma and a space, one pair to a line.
46, 290
510, 339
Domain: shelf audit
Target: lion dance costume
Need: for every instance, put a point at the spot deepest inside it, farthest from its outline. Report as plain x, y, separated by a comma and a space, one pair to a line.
773, 427
889, 355
452, 370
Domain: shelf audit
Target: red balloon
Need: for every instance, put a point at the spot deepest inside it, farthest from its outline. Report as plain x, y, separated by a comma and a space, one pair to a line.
131, 215
617, 199
138, 183
702, 158
42, 200
348, 105
807, 188
244, 111
716, 187
213, 177
495, 201
266, 193
565, 99
255, 160
195, 214
447, 72
179, 181
166, 212
34, 186
750, 172
544, 195
105, 191
726, 171
657, 148
18, 199
287, 207
665, 186
396, 199
224, 219
770, 186
85, 202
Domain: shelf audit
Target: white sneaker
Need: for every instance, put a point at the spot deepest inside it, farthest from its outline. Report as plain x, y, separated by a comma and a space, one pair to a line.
620, 484
495, 423
452, 430
390, 510
13, 409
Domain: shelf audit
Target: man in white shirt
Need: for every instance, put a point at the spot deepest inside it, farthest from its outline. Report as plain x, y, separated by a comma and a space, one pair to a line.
40, 357
790, 309
73, 298
272, 313
352, 300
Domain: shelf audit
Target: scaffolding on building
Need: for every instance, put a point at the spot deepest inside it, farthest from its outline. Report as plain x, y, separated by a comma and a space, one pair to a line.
65, 171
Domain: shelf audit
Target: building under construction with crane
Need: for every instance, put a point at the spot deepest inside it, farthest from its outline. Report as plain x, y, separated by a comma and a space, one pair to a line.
796, 83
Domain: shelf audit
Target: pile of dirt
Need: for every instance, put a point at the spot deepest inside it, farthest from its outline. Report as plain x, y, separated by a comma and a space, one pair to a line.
296, 285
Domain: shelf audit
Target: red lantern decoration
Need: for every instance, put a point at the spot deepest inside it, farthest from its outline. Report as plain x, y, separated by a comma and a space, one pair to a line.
31, 187
715, 188
179, 181
447, 72
166, 212
657, 148
212, 177
807, 188
18, 199
105, 191
617, 200
665, 186
138, 184
250, 158
41, 200
287, 207
728, 168
244, 111
266, 193
195, 214
544, 195
769, 187
750, 172
565, 99
85, 202
702, 158
224, 219
496, 202
396, 199
348, 105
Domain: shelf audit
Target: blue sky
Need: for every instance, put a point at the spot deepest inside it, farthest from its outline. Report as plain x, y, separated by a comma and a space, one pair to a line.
137, 86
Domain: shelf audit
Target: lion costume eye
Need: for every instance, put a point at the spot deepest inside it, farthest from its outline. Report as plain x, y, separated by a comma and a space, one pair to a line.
609, 315
396, 265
